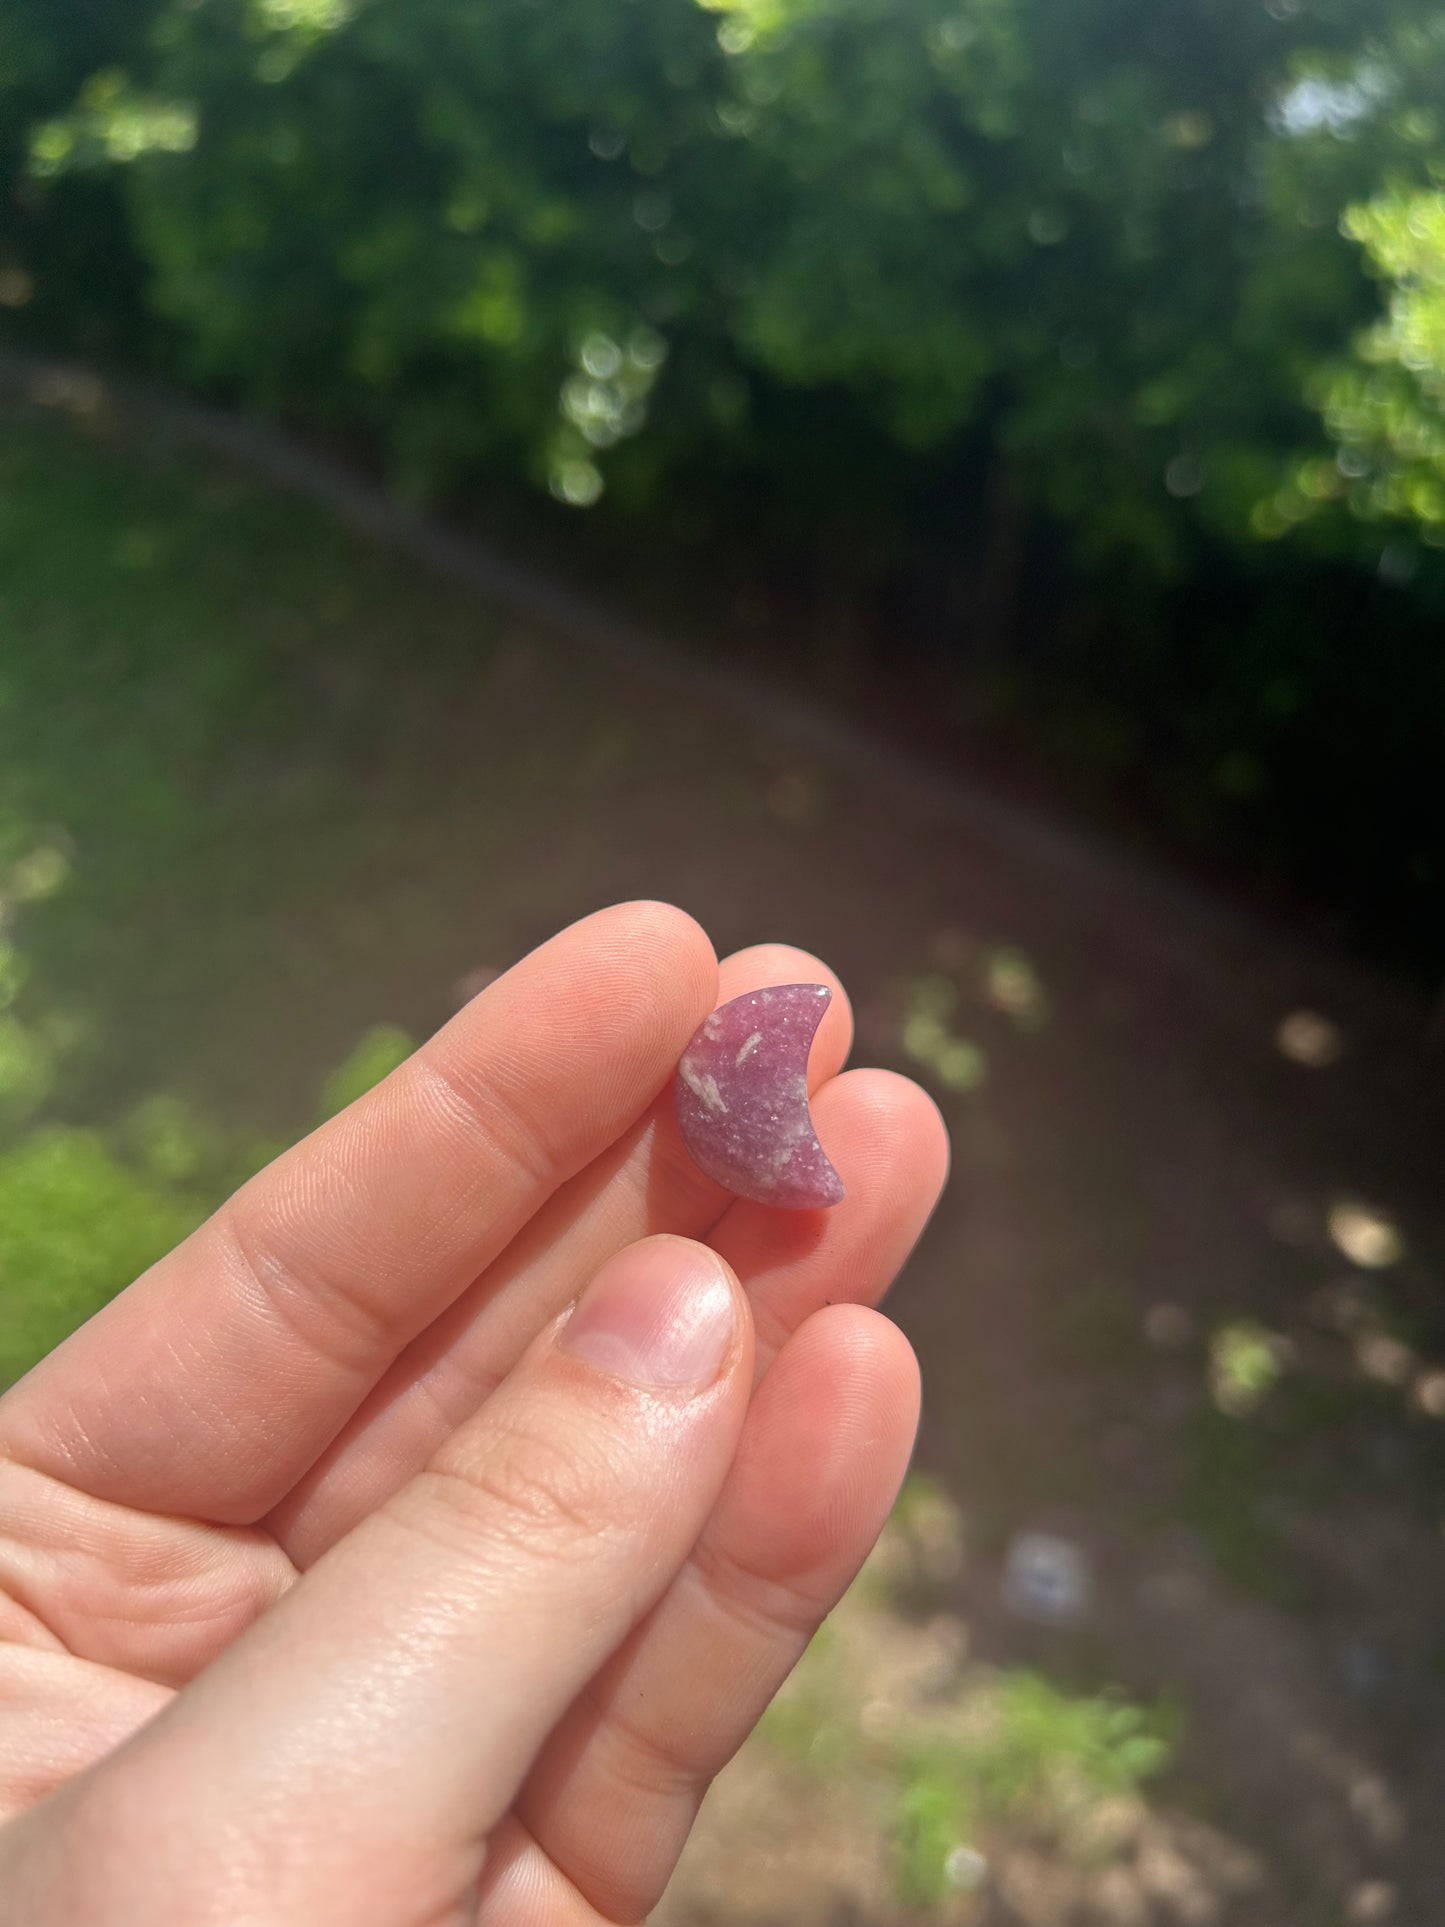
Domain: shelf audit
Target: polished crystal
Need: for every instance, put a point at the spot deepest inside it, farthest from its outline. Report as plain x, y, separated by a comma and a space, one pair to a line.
742, 1098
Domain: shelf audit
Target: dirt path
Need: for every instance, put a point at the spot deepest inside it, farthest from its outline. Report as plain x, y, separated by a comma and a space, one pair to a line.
1140, 1167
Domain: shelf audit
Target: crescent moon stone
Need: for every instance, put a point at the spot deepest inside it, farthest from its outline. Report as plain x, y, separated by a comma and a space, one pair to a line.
742, 1099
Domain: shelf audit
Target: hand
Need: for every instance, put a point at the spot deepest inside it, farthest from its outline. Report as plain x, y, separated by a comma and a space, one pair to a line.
344, 1578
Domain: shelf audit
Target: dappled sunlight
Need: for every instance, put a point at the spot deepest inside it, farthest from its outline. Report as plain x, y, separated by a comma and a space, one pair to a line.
77, 1224
1245, 1363
112, 122
1372, 1904
976, 983
83, 1212
925, 1547
168, 1138
1366, 1236
603, 402
39, 873
73, 391
1361, 1315
1011, 985
927, 1037
1309, 1039
1179, 1373
1316, 102
303, 16
945, 1777
1387, 1360
13, 970
27, 1070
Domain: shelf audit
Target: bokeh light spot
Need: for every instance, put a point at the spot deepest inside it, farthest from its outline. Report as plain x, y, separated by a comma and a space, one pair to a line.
1305, 1037
1385, 1359
1366, 1236
1245, 1362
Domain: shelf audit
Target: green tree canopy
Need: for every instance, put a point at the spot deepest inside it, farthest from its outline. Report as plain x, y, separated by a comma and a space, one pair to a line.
1134, 245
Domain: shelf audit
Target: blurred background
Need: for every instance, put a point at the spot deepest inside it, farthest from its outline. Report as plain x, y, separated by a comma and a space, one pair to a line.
956, 484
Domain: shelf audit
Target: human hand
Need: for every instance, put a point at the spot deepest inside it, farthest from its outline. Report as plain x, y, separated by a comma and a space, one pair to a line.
344, 1578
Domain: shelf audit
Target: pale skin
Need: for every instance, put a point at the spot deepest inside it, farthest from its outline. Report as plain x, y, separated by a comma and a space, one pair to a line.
413, 1544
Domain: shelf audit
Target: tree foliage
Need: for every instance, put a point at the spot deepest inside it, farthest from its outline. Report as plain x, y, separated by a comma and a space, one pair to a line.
1165, 280
1126, 240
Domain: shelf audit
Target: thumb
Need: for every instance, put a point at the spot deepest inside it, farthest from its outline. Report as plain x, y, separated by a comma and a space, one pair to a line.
347, 1757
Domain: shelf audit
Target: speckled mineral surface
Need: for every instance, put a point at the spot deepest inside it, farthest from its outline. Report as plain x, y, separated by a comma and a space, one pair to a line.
742, 1099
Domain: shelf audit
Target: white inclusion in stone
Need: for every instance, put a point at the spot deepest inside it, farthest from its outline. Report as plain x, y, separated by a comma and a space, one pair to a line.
704, 1088
741, 1099
797, 1131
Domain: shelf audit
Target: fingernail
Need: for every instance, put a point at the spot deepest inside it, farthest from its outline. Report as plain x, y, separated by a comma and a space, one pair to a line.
661, 1315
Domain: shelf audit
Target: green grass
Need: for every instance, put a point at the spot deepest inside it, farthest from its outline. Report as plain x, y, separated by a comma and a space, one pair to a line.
1005, 1750
949, 1759
376, 1056
76, 1223
176, 720
1029, 1754
83, 1212
171, 634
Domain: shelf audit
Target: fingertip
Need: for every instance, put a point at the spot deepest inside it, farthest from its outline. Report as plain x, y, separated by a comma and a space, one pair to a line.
888, 1126
657, 941
827, 1445
659, 928
762, 964
889, 1145
867, 1359
665, 1314
619, 992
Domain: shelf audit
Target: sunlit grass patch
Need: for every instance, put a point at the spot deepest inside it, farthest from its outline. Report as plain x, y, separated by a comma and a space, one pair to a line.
76, 1224
1366, 1236
888, 1720
181, 652
921, 1553
1010, 984
1066, 1768
1245, 1362
975, 986
376, 1056
928, 1036
84, 1212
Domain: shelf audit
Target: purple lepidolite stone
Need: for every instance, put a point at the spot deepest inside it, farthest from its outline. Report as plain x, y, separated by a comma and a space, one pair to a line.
742, 1098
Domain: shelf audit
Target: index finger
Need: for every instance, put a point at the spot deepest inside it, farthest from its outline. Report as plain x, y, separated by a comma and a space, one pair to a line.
210, 1385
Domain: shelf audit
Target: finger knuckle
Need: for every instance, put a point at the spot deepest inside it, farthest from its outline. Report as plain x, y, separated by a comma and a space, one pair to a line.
548, 1491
